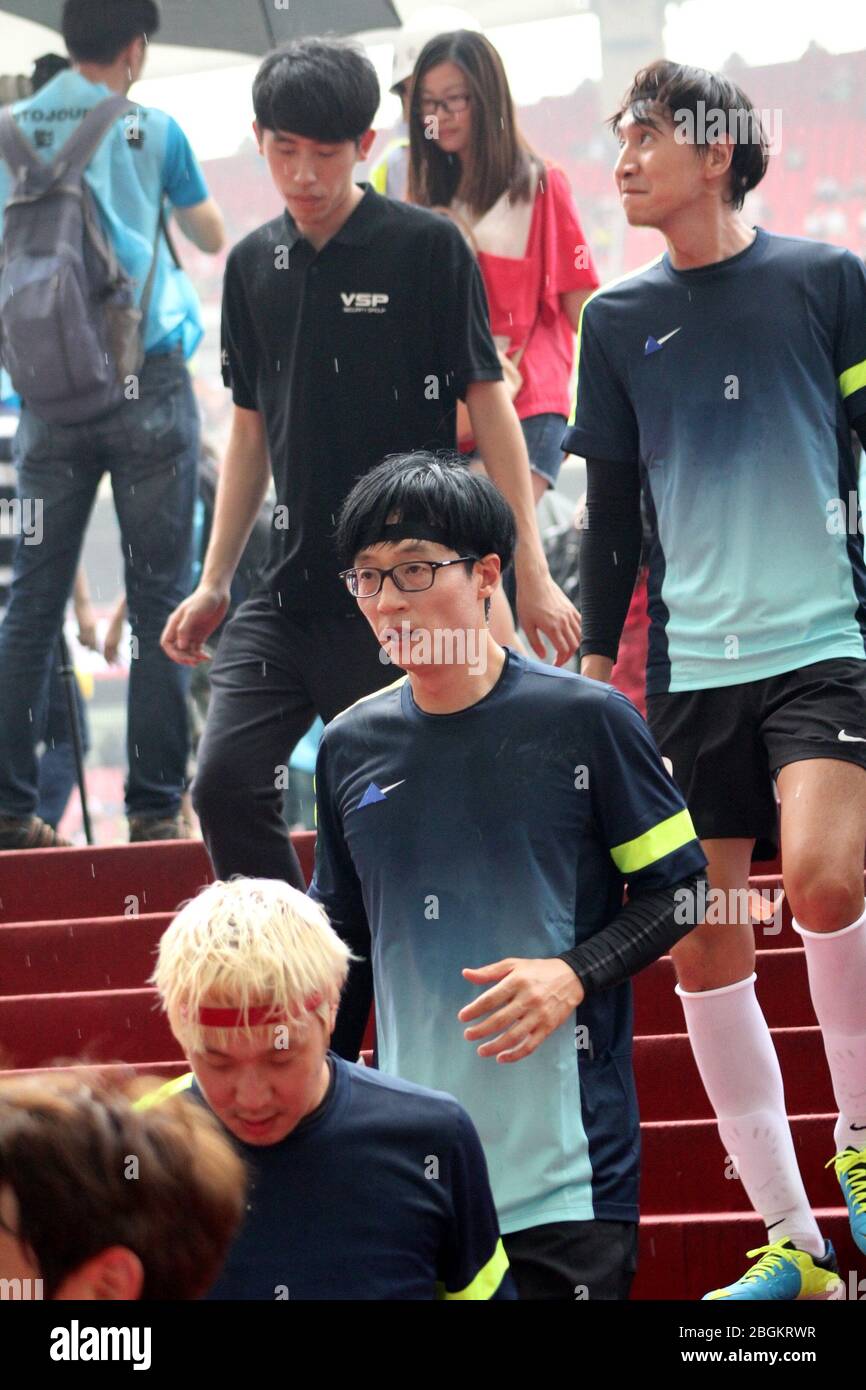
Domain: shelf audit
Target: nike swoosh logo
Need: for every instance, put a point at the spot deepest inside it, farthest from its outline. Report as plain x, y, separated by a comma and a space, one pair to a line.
655, 344
775, 1223
849, 738
374, 793
857, 1126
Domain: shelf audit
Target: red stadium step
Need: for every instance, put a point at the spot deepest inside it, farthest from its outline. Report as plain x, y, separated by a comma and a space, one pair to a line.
63, 957
78, 933
37, 1030
782, 987
46, 885
669, 1088
685, 1168
116, 952
684, 1257
51, 884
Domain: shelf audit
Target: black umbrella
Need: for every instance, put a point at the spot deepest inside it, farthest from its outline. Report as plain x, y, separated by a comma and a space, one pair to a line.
241, 26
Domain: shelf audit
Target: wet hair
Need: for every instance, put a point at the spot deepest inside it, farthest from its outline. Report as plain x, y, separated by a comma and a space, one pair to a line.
432, 490
502, 159
248, 943
675, 90
321, 89
96, 31
65, 1146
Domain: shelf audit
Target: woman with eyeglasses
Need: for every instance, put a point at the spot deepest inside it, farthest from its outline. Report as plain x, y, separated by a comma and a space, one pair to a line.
468, 158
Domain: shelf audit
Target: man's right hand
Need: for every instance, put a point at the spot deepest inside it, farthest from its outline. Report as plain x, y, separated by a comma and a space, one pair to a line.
191, 623
598, 668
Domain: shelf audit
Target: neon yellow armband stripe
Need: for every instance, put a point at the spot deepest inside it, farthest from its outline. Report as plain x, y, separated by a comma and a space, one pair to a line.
171, 1088
853, 379
486, 1281
662, 839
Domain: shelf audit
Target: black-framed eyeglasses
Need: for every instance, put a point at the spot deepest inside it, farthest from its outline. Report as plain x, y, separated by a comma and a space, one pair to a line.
410, 577
428, 106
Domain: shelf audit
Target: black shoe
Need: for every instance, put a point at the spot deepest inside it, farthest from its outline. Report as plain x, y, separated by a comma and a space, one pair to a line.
29, 832
143, 828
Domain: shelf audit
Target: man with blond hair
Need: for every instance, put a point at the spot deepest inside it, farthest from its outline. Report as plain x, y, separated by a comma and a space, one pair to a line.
363, 1186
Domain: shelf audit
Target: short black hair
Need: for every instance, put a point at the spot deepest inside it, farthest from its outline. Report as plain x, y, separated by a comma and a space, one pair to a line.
95, 31
322, 89
434, 490
46, 67
677, 89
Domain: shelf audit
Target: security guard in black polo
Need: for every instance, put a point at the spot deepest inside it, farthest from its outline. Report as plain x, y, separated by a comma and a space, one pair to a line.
351, 325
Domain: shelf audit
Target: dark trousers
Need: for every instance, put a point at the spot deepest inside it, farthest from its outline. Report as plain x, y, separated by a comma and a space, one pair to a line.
272, 674
574, 1260
149, 445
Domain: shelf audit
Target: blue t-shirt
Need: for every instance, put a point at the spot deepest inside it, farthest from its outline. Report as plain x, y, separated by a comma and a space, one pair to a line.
506, 829
381, 1193
735, 387
127, 176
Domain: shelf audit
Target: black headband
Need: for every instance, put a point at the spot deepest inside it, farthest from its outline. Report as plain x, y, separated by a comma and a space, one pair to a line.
408, 530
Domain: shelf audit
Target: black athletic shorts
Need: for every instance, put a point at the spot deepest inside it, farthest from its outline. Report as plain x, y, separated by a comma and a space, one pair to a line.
726, 744
573, 1260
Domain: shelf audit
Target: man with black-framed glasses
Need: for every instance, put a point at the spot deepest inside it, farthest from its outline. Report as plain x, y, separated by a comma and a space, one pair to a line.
476, 822
404, 647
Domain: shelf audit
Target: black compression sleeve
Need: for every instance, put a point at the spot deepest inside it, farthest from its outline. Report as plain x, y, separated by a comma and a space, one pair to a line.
609, 553
860, 426
357, 996
644, 928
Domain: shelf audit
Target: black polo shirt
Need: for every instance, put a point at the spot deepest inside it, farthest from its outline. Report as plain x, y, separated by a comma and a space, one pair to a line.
352, 353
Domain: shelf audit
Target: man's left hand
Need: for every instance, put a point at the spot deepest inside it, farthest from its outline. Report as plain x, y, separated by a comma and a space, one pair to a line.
530, 1000
542, 608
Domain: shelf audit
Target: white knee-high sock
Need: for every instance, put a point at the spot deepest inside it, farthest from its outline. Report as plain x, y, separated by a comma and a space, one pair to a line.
836, 962
740, 1071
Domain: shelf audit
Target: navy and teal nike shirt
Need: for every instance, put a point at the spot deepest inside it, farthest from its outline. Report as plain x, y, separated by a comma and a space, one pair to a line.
382, 1193
735, 387
506, 829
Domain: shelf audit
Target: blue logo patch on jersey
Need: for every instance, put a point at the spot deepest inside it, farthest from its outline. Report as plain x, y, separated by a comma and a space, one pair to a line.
655, 344
372, 794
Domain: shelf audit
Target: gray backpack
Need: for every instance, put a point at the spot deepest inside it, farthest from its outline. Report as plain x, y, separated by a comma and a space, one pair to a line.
70, 331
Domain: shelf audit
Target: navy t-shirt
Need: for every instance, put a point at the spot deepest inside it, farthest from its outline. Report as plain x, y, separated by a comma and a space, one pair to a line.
735, 387
504, 829
381, 1193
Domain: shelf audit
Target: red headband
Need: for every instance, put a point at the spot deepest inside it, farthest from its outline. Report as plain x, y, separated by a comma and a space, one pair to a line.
255, 1017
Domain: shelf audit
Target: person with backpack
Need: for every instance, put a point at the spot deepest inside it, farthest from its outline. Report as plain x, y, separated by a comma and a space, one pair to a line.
97, 320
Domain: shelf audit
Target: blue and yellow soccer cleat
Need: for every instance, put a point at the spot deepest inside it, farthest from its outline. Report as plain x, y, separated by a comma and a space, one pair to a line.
785, 1274
851, 1171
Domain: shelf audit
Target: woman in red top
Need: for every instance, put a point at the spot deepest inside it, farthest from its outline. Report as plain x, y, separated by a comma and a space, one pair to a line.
468, 158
